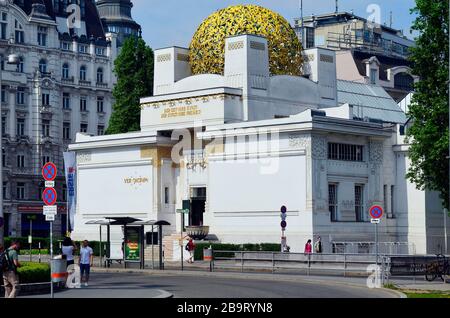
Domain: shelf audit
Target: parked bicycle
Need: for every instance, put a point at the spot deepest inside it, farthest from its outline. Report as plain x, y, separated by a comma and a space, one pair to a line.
440, 268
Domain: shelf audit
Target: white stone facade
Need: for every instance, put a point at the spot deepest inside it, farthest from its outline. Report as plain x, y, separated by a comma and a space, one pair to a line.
258, 142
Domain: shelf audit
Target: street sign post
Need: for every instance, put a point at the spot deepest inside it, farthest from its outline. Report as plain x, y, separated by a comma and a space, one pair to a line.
376, 212
50, 210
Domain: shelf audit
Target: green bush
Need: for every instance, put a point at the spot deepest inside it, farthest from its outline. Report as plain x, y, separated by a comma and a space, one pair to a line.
34, 252
24, 242
265, 247
31, 273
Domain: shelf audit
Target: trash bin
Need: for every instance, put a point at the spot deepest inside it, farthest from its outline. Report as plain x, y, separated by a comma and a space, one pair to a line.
208, 254
59, 270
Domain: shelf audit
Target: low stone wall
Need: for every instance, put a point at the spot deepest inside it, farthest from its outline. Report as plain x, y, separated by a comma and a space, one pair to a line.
35, 289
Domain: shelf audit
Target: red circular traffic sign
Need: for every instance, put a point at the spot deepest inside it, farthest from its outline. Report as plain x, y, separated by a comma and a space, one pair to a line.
49, 196
376, 212
49, 171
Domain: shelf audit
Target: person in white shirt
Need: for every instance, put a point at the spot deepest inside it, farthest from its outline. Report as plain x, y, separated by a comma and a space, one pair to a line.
68, 249
85, 262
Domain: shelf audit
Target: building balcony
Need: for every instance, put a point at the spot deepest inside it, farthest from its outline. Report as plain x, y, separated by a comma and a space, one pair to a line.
22, 171
69, 80
84, 83
23, 139
46, 109
102, 85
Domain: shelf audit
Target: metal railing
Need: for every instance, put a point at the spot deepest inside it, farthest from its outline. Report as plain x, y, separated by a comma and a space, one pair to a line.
335, 264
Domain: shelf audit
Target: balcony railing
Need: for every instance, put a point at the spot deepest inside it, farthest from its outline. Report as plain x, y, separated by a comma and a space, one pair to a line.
84, 83
102, 85
68, 80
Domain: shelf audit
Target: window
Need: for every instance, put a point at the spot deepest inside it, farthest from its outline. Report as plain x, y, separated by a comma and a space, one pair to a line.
66, 100
83, 104
345, 152
100, 51
3, 25
64, 192
404, 81
3, 157
393, 208
43, 66
100, 75
20, 127
373, 76
333, 202
20, 161
100, 130
66, 46
82, 48
45, 97
66, 131
359, 203
46, 128
5, 187
42, 36
45, 159
65, 71
83, 128
4, 95
20, 190
4, 127
2, 62
20, 66
19, 33
166, 195
83, 73
100, 103
20, 96
385, 198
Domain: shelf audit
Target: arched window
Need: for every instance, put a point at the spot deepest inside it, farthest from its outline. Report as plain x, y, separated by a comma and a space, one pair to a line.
65, 71
43, 66
404, 81
83, 73
99, 75
2, 62
20, 66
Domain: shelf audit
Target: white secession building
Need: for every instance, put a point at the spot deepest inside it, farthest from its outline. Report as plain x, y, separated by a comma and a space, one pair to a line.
327, 149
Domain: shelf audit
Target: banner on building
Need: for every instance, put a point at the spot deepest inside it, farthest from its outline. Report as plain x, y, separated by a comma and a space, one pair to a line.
70, 165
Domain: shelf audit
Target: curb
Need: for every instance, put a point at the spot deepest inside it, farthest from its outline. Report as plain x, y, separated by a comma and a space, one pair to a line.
164, 294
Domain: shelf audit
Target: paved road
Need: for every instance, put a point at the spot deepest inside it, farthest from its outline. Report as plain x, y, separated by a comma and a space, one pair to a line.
129, 285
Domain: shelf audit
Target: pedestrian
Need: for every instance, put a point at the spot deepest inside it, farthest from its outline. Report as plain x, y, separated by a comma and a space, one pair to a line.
308, 247
86, 261
318, 246
68, 249
191, 248
10, 276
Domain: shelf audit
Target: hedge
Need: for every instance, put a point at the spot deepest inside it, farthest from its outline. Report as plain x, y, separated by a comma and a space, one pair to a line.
45, 244
264, 247
31, 273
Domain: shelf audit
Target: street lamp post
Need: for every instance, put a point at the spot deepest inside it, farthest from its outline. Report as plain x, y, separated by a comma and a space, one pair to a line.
13, 59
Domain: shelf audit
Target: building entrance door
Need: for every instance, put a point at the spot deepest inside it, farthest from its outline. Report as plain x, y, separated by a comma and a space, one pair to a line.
198, 201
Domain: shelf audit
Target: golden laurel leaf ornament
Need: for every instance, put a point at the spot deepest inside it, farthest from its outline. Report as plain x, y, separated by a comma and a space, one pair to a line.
207, 48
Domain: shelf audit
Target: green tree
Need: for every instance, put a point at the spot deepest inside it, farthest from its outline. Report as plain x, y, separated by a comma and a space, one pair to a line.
429, 111
134, 70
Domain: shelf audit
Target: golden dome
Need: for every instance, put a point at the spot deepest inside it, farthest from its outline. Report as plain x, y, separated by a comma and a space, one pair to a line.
207, 49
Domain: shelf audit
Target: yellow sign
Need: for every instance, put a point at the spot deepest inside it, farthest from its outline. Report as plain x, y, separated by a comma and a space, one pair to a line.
181, 111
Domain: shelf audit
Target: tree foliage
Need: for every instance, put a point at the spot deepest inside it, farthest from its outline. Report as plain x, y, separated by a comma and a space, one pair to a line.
134, 70
429, 111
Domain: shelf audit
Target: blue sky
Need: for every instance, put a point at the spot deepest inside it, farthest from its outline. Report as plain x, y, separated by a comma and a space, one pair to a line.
173, 22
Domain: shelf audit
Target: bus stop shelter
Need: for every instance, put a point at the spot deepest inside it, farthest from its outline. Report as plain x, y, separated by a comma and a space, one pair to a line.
128, 222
